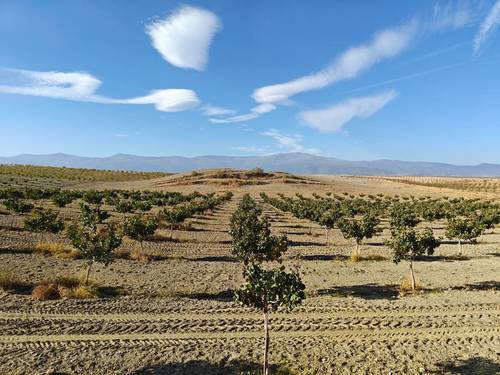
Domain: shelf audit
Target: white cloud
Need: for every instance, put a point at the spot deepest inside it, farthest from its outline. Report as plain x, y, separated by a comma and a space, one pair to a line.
209, 110
333, 118
183, 39
264, 108
488, 26
351, 63
453, 15
80, 86
290, 142
252, 115
239, 118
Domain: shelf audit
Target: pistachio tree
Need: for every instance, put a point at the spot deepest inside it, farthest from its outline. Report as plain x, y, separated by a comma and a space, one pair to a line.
139, 227
43, 220
268, 291
359, 229
252, 241
463, 229
406, 244
95, 241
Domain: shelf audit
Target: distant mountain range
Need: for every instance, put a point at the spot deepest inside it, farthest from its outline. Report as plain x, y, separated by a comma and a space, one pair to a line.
296, 162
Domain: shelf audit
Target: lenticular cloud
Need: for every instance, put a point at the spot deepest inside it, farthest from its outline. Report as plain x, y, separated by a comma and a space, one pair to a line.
183, 39
82, 87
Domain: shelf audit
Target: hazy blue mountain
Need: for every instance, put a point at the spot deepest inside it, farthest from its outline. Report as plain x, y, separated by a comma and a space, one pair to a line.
288, 162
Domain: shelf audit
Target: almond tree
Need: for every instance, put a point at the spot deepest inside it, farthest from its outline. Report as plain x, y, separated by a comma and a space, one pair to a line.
407, 244
268, 291
174, 216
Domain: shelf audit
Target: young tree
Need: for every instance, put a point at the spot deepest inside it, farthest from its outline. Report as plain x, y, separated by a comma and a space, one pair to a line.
44, 220
174, 216
467, 229
95, 241
62, 198
124, 206
269, 290
139, 227
328, 219
251, 234
407, 244
17, 206
366, 227
93, 214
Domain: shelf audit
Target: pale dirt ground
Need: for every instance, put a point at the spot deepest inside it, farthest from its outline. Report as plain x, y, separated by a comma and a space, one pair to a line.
178, 317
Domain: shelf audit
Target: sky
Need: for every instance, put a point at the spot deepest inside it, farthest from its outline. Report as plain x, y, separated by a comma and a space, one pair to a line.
354, 80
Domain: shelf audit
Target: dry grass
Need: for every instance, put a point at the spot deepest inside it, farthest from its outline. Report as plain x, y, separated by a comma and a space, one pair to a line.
58, 250
405, 286
45, 292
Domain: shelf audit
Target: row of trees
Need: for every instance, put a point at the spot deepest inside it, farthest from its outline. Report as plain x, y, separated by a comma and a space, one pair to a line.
96, 237
359, 218
266, 288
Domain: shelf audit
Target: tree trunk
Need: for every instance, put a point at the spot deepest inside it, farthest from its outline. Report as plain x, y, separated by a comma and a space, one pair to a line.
357, 248
413, 284
142, 247
171, 231
459, 247
12, 222
266, 343
87, 274
326, 231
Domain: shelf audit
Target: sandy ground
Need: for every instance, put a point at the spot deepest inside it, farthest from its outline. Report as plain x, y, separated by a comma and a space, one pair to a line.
178, 317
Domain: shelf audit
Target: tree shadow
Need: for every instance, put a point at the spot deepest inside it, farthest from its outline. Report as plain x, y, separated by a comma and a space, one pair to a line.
474, 365
304, 243
324, 257
20, 250
222, 258
222, 296
442, 258
482, 285
364, 291
202, 367
494, 254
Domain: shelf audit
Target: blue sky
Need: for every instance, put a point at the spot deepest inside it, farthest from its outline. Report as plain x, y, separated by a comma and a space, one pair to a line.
358, 80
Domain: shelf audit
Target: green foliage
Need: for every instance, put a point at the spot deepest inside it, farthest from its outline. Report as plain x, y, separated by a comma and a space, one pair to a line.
124, 206
93, 197
366, 227
44, 220
403, 215
92, 214
95, 242
464, 228
139, 227
18, 206
269, 290
407, 244
62, 198
252, 241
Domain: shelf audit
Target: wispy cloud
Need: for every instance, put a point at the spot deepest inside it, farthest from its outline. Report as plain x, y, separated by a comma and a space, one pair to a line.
183, 39
81, 86
488, 26
348, 65
333, 118
454, 14
290, 142
252, 115
209, 110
